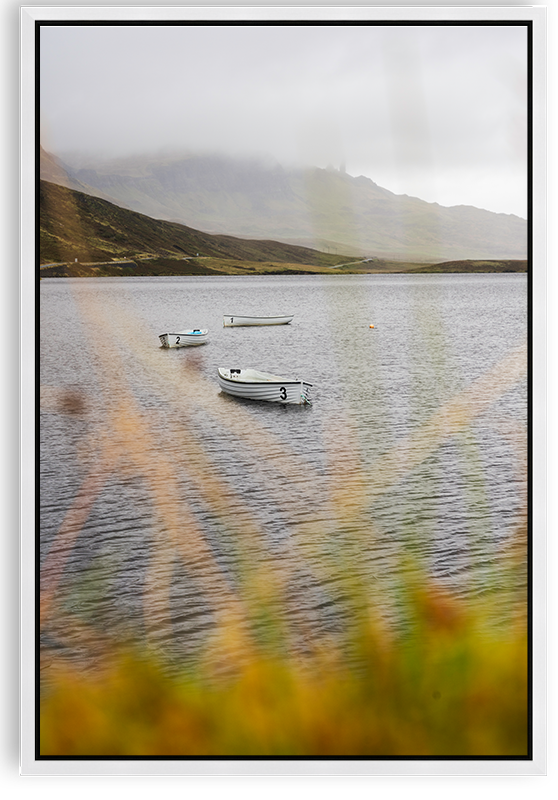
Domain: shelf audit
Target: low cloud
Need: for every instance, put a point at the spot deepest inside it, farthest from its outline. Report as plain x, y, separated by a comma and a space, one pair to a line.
413, 107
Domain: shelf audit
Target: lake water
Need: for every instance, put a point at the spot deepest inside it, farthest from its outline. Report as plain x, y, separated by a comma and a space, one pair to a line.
165, 502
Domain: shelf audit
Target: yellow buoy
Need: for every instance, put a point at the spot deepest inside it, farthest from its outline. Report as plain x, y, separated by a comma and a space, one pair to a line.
371, 326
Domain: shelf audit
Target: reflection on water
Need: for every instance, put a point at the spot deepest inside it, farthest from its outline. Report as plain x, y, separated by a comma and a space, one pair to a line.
166, 504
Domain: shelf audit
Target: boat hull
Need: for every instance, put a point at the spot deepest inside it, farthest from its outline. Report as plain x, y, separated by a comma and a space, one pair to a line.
254, 385
232, 321
183, 338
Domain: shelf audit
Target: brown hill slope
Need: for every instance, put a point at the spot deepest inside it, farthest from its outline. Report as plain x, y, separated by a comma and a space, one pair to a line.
75, 225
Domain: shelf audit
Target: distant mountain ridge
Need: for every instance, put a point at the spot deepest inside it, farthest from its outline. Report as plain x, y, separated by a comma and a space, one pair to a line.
322, 209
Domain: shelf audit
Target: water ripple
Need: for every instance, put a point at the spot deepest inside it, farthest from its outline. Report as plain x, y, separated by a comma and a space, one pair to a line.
164, 501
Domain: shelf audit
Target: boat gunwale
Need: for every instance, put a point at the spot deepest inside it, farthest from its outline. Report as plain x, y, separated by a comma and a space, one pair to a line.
256, 320
194, 332
263, 382
237, 382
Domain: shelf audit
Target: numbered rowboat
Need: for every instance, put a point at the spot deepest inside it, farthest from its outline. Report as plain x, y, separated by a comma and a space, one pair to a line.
256, 385
183, 338
232, 321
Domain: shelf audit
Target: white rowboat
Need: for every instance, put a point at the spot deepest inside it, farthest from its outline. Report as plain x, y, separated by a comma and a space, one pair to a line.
183, 338
255, 385
232, 321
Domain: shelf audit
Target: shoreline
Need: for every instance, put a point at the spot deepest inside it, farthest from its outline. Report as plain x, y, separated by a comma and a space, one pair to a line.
227, 267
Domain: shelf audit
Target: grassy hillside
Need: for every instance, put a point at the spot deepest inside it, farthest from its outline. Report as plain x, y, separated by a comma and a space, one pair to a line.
86, 236
477, 266
75, 225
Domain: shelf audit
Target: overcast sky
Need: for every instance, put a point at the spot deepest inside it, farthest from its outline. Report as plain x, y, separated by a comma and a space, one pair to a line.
439, 113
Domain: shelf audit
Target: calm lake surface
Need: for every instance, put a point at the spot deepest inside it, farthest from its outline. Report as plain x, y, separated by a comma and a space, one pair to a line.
165, 502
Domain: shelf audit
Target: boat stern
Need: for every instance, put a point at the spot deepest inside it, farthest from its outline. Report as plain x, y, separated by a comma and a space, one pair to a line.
305, 393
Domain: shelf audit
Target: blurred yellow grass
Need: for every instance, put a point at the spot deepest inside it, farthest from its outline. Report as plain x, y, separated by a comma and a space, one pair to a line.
453, 685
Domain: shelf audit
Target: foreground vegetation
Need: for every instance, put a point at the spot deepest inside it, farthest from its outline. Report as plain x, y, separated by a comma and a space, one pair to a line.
453, 685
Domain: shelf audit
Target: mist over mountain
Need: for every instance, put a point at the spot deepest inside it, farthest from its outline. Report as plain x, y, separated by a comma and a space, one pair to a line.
325, 209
